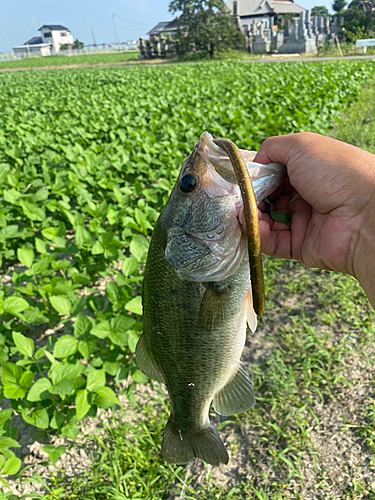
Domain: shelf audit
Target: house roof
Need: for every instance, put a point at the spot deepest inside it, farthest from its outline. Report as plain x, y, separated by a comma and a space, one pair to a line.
258, 7
158, 28
166, 27
35, 40
53, 27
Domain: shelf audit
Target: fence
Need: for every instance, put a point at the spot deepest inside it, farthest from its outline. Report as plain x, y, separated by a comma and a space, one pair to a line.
121, 47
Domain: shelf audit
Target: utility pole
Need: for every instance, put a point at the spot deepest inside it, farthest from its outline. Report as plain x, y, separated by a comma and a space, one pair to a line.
93, 37
114, 28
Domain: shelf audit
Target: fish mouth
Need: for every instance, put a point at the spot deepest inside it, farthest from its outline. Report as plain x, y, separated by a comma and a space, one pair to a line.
265, 178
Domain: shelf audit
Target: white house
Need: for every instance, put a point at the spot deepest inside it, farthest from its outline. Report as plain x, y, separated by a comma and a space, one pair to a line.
57, 35
53, 36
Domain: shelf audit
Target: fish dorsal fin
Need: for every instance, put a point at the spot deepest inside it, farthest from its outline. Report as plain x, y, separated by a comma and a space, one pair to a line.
251, 317
145, 363
213, 306
237, 396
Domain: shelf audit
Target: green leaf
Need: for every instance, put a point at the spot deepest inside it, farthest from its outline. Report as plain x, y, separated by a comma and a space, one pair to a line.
26, 379
66, 346
25, 256
5, 415
97, 248
139, 377
13, 392
102, 330
111, 367
60, 304
129, 266
38, 417
40, 246
281, 216
11, 466
83, 237
15, 305
63, 388
50, 233
54, 453
82, 325
23, 344
11, 374
7, 442
122, 323
139, 247
135, 305
60, 372
82, 405
36, 391
107, 393
86, 348
70, 430
132, 340
113, 292
119, 338
95, 379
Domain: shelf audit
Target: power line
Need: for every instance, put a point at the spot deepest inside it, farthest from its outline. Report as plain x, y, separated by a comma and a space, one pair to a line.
129, 21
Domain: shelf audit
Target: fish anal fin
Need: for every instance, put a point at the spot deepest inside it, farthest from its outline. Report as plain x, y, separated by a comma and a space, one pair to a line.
213, 307
251, 317
237, 396
180, 447
145, 363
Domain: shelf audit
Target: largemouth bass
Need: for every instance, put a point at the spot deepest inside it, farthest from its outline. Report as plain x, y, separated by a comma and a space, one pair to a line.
197, 300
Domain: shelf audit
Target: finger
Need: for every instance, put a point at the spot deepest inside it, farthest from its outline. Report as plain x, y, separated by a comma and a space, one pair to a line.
275, 150
300, 214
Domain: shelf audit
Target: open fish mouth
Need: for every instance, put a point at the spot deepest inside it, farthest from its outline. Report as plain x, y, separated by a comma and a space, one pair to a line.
265, 178
236, 166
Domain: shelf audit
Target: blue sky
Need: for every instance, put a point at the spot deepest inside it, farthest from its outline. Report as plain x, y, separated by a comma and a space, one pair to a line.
21, 19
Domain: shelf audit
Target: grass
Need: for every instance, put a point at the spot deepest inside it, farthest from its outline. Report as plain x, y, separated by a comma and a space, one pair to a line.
358, 125
81, 60
319, 330
133, 56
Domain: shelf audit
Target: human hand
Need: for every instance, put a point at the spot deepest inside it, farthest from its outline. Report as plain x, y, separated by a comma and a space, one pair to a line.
330, 195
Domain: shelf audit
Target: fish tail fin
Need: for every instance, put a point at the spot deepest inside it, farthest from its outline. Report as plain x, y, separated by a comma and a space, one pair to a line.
180, 447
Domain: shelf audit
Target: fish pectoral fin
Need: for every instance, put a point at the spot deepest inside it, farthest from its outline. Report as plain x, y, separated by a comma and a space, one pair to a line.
251, 317
213, 306
182, 446
237, 396
145, 363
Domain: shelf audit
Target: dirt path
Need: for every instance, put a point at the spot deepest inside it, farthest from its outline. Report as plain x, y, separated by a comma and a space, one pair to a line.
160, 62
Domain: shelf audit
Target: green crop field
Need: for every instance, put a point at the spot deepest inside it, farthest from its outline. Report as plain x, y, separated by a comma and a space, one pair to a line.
79, 60
87, 160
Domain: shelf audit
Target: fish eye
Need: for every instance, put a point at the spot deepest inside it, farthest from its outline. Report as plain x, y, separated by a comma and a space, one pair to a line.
188, 183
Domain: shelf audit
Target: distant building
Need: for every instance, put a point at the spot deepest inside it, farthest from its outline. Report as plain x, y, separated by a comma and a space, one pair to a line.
247, 10
50, 41
167, 28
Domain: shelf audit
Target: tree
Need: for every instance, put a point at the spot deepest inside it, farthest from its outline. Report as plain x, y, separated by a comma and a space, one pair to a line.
210, 25
359, 20
367, 6
338, 6
320, 10
77, 44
